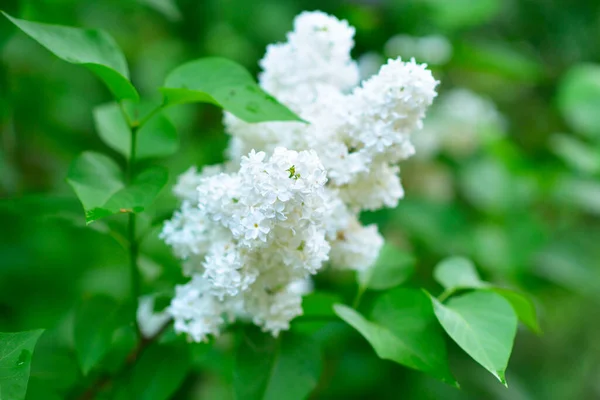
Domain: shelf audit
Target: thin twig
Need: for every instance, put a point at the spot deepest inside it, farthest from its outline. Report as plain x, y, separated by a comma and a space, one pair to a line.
132, 357
152, 113
133, 242
143, 342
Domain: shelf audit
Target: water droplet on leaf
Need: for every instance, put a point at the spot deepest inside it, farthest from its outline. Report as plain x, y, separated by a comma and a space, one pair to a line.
24, 357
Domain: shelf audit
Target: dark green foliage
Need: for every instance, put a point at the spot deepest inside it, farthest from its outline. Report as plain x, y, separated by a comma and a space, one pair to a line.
268, 368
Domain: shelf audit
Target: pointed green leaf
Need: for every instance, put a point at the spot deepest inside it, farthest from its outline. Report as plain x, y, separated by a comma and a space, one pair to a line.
266, 368
160, 371
226, 84
96, 320
16, 350
403, 329
94, 178
157, 138
100, 185
579, 99
457, 273
523, 306
95, 49
392, 268
483, 324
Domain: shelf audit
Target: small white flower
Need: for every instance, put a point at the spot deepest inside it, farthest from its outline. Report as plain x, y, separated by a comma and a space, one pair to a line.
316, 52
274, 311
196, 311
256, 226
188, 231
356, 247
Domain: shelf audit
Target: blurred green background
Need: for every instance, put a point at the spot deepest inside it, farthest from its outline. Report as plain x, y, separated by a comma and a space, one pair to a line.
518, 190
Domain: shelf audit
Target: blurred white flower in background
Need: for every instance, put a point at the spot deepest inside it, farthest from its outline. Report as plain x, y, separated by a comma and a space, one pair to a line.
369, 64
460, 123
434, 50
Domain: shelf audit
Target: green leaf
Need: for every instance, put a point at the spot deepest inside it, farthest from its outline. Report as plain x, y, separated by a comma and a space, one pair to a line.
112, 127
579, 99
94, 178
160, 371
100, 185
271, 369
96, 320
157, 138
95, 49
226, 84
16, 350
457, 273
483, 324
393, 267
523, 306
403, 329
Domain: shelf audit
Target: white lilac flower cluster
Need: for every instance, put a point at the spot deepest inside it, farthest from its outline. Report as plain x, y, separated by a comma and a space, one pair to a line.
252, 232
247, 238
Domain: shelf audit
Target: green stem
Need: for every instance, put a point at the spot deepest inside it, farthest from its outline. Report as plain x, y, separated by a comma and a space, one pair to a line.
151, 114
125, 115
106, 380
132, 153
132, 234
359, 293
133, 242
444, 296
